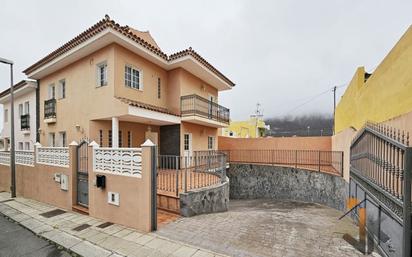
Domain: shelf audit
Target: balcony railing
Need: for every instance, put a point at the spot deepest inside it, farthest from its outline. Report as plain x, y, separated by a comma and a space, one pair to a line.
50, 108
25, 122
199, 106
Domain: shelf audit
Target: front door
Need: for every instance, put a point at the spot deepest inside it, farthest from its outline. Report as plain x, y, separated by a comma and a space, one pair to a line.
82, 174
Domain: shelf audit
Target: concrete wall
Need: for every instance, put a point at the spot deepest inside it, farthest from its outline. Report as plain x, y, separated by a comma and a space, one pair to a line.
281, 143
261, 181
341, 142
384, 95
205, 200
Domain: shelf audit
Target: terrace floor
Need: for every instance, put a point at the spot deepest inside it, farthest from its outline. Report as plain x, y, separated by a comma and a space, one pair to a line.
268, 228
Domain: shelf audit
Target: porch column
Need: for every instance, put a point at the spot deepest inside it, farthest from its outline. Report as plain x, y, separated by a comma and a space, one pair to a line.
115, 132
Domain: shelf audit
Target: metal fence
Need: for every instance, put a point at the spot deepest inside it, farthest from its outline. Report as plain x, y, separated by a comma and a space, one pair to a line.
323, 161
380, 176
177, 174
199, 106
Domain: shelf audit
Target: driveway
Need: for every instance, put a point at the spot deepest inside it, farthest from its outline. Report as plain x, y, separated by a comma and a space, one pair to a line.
268, 228
16, 241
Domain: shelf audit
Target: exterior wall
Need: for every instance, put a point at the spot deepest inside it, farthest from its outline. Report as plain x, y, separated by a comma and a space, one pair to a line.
77, 108
137, 130
283, 183
342, 142
170, 140
18, 133
200, 136
386, 93
191, 84
245, 129
281, 143
5, 178
150, 73
205, 200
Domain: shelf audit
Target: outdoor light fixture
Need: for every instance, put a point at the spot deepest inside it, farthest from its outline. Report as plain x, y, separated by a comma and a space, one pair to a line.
12, 148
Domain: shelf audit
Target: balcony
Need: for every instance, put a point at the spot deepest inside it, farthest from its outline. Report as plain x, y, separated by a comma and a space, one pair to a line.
50, 111
25, 123
196, 109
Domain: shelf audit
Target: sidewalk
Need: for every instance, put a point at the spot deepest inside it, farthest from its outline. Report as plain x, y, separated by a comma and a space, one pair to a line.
87, 236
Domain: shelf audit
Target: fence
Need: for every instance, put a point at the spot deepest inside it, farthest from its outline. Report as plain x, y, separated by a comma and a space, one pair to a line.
22, 157
325, 161
178, 174
380, 175
54, 156
118, 161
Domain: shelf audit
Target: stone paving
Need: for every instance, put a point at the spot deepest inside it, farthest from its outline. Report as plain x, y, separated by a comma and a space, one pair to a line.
113, 241
268, 228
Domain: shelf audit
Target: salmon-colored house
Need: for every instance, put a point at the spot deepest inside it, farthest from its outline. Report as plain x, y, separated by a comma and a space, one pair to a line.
114, 85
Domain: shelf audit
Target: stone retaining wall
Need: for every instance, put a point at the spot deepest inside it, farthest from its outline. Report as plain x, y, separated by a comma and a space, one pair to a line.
249, 181
205, 200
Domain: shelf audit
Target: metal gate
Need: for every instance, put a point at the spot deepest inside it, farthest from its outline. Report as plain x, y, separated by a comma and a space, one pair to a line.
380, 182
82, 174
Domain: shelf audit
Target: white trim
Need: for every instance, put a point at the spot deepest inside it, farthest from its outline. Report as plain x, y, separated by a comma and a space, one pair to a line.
153, 115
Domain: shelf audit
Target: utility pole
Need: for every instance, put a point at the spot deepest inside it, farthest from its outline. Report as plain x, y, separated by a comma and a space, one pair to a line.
334, 108
12, 148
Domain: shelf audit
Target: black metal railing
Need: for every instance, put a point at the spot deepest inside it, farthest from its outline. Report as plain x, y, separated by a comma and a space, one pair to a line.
380, 170
50, 108
322, 161
177, 174
25, 122
199, 106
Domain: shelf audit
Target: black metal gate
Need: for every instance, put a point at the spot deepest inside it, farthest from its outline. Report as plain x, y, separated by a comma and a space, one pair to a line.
82, 174
380, 181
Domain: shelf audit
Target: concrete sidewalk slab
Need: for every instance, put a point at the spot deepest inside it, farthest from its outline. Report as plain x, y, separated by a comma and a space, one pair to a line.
114, 240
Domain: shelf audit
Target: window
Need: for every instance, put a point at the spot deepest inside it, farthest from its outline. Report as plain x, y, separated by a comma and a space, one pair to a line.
211, 143
159, 88
101, 137
20, 145
62, 89
27, 146
27, 107
52, 91
6, 115
132, 78
102, 74
129, 139
186, 142
231, 133
63, 139
120, 139
52, 140
110, 138
20, 109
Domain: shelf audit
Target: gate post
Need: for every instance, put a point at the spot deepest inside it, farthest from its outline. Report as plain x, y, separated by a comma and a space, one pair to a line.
73, 168
149, 174
407, 203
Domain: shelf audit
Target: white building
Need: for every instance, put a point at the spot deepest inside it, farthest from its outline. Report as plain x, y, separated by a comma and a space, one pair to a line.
24, 116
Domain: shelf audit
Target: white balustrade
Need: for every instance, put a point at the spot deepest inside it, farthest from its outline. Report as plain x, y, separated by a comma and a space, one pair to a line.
118, 161
54, 156
25, 158
5, 158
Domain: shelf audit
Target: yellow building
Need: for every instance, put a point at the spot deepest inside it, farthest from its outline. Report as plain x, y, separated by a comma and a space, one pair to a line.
382, 95
252, 128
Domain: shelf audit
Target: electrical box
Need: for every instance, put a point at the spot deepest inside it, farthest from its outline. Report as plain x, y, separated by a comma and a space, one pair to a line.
64, 182
113, 198
57, 177
101, 181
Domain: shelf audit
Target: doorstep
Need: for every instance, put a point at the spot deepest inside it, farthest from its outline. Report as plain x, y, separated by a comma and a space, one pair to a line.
91, 237
80, 209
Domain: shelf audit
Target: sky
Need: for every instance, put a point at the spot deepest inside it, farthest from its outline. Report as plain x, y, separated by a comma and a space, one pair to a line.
281, 54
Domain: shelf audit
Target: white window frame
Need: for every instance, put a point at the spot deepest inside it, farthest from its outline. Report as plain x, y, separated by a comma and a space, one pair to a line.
52, 139
26, 107
26, 145
62, 89
21, 145
129, 81
21, 110
52, 91
101, 81
62, 138
211, 142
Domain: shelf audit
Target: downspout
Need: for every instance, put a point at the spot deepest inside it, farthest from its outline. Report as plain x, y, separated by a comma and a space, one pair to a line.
38, 111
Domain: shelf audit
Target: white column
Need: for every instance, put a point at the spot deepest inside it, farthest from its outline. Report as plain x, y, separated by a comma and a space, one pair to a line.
115, 132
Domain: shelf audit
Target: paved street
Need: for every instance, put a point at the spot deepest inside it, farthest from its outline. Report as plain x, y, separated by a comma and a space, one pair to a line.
15, 241
268, 228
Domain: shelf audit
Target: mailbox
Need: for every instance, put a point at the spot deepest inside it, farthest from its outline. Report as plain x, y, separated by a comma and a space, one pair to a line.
101, 181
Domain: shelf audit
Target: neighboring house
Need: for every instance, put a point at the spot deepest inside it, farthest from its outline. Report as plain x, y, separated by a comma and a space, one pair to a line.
114, 85
24, 116
253, 128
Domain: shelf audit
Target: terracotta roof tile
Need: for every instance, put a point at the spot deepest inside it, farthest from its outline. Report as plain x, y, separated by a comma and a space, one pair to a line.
142, 38
146, 106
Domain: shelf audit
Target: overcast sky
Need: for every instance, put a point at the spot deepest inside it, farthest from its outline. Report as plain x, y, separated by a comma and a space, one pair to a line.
279, 53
